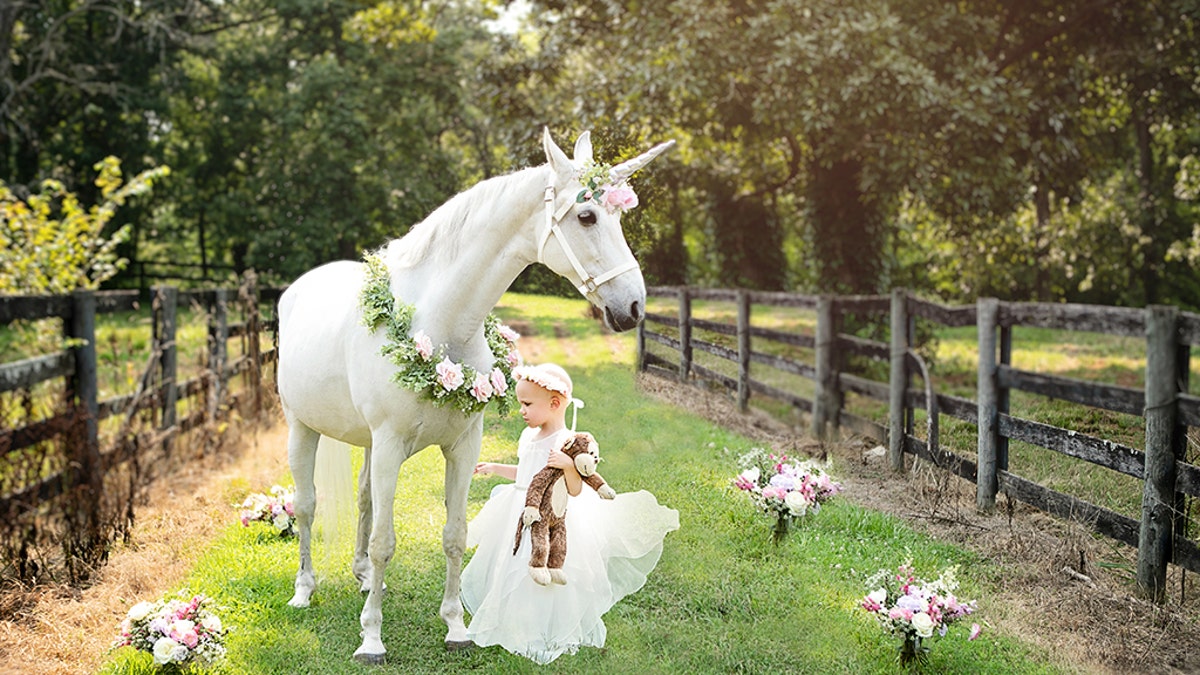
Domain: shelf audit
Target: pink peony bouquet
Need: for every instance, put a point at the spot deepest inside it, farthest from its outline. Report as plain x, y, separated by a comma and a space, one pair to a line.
176, 633
785, 488
277, 508
914, 609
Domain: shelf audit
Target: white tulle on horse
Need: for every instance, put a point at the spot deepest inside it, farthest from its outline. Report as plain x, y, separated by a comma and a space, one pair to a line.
452, 269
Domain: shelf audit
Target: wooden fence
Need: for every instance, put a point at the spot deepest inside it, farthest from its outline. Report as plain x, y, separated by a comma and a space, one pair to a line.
86, 453
1165, 405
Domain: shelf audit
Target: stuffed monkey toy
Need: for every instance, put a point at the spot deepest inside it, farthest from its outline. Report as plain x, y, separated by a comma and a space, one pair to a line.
546, 510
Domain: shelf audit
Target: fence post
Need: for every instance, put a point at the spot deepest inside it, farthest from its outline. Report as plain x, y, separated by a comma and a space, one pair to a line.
685, 333
641, 346
743, 340
1155, 538
988, 483
167, 301
253, 350
823, 393
85, 390
898, 381
218, 336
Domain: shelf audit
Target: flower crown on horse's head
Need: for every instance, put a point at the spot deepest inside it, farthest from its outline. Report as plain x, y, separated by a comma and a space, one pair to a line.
601, 187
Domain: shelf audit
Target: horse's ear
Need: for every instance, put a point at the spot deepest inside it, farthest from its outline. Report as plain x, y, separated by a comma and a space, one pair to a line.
559, 162
583, 149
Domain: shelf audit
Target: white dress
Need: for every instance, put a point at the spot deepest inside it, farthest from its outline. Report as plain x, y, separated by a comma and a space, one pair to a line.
611, 546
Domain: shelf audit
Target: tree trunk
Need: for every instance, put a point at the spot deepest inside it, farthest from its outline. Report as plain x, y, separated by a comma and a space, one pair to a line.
847, 226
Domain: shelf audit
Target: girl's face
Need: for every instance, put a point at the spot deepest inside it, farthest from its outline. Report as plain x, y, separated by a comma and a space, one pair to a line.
538, 405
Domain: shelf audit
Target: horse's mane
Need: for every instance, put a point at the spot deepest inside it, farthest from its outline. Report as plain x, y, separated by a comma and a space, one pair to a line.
453, 224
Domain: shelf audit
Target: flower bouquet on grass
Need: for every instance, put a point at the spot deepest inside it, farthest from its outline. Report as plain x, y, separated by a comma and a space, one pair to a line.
785, 488
177, 633
277, 508
914, 609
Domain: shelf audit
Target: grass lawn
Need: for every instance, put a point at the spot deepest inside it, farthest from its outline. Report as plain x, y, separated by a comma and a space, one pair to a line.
723, 598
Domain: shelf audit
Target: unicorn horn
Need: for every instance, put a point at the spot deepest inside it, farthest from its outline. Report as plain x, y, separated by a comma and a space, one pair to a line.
625, 169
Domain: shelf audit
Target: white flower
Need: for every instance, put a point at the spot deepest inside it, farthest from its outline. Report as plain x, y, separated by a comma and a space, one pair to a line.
879, 595
922, 623
282, 521
165, 649
796, 503
140, 611
211, 622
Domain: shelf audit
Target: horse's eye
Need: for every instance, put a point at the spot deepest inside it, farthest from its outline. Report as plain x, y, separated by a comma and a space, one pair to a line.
587, 217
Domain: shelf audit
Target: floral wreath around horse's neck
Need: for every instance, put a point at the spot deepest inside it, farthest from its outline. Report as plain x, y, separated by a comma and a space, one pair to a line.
428, 370
599, 188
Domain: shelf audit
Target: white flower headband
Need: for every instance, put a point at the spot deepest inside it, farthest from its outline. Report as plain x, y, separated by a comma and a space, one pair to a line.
550, 382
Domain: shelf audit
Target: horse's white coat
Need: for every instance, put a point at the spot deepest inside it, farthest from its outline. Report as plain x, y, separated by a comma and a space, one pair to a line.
453, 268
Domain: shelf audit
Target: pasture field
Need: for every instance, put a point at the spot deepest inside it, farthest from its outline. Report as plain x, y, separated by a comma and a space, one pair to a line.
722, 599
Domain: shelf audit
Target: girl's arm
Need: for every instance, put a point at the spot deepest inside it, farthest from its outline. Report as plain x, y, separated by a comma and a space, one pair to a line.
508, 471
561, 460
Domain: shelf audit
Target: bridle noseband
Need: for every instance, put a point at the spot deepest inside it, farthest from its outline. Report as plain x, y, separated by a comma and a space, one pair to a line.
589, 283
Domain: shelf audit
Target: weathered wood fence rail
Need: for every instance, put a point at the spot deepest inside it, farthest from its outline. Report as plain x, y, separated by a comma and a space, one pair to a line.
89, 454
1164, 403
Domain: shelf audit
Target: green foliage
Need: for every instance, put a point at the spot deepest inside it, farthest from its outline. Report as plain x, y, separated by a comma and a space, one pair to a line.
50, 243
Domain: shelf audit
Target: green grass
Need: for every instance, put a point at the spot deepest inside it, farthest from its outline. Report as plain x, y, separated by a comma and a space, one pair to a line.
722, 599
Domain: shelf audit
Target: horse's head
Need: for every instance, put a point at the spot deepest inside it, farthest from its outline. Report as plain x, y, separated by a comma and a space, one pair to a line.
580, 236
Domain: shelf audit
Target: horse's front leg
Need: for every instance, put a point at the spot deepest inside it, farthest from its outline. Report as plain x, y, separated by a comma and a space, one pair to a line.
362, 562
460, 465
387, 455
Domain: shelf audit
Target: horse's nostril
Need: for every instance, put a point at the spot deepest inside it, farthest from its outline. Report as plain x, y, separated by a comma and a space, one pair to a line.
633, 311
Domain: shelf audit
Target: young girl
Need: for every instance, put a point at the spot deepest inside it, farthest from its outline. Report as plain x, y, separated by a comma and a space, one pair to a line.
611, 545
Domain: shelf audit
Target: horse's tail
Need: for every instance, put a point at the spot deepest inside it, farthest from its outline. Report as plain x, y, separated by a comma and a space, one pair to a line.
335, 520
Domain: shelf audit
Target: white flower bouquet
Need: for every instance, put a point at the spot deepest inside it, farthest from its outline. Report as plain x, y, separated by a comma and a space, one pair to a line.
782, 487
276, 508
915, 609
177, 633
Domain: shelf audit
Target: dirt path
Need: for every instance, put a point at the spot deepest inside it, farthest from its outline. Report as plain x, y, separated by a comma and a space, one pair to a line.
70, 632
1067, 590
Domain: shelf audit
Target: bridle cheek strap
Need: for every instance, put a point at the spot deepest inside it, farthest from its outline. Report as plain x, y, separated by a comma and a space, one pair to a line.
589, 283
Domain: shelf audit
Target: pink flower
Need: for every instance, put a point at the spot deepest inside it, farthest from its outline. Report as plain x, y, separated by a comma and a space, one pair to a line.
508, 334
619, 198
499, 382
976, 629
423, 344
450, 374
514, 358
481, 389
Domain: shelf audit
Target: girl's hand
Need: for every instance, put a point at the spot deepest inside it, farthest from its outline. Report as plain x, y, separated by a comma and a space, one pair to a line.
484, 468
560, 460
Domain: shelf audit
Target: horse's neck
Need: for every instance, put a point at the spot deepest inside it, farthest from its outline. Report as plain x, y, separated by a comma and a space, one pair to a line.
492, 237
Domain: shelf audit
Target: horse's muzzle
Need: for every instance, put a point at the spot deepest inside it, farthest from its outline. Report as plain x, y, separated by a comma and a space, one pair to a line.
622, 321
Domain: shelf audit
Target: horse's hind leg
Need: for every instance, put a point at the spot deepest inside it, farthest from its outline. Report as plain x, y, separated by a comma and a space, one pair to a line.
302, 457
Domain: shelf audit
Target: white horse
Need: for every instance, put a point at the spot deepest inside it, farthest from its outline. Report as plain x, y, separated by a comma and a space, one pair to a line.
453, 267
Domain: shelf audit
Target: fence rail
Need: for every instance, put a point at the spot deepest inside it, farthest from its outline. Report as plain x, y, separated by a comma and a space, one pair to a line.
1164, 404
82, 456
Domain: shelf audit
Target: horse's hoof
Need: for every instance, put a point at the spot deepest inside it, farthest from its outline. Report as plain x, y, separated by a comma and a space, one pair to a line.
371, 659
459, 645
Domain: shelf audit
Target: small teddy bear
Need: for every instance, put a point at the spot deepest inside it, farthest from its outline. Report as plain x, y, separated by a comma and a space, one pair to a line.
546, 509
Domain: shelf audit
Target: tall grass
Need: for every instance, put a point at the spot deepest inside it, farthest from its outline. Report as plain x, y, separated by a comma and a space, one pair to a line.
722, 599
